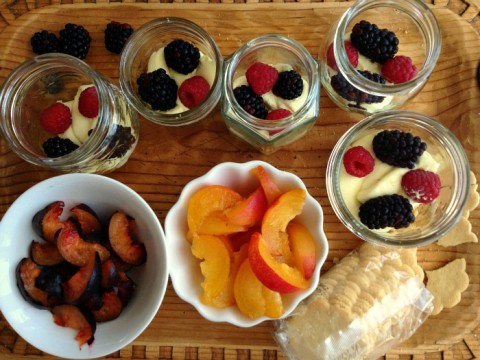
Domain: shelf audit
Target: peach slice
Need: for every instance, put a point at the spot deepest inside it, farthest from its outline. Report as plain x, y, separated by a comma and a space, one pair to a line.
217, 224
273, 303
284, 209
274, 275
303, 248
249, 211
208, 200
266, 182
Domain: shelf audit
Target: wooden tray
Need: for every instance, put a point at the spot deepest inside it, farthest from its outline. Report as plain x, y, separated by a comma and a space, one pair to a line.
167, 158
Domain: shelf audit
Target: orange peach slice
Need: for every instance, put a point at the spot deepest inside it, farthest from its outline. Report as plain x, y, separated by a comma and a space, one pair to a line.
274, 275
266, 182
248, 291
303, 248
248, 212
284, 209
217, 224
273, 303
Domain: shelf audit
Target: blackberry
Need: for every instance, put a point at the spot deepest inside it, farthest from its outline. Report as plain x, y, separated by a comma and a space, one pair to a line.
158, 89
57, 146
250, 102
351, 93
116, 35
289, 85
44, 42
122, 141
74, 40
387, 211
182, 56
398, 148
378, 45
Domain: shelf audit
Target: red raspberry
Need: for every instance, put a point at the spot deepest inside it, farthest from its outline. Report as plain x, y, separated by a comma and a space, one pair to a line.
352, 54
399, 69
421, 186
261, 77
278, 114
358, 161
56, 118
88, 102
193, 91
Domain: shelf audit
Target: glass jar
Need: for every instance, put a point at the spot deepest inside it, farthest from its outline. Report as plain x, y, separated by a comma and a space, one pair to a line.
419, 39
268, 136
102, 146
141, 55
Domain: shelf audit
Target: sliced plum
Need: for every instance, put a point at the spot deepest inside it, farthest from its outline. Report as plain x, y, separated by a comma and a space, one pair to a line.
111, 307
109, 274
86, 218
45, 253
122, 241
46, 222
79, 319
125, 288
50, 280
85, 282
27, 272
76, 250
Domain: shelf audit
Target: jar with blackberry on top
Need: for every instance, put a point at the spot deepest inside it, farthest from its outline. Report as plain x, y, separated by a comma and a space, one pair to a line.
379, 54
59, 113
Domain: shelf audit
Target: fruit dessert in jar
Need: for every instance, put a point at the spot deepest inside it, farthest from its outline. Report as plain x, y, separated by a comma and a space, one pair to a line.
270, 92
379, 54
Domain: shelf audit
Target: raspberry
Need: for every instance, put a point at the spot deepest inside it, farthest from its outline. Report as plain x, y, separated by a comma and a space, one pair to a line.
261, 77
358, 161
278, 114
421, 186
399, 69
193, 91
88, 102
352, 54
56, 118
116, 35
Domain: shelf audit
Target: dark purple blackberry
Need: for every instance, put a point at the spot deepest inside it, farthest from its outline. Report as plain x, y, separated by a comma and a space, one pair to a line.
74, 40
378, 45
250, 102
387, 211
44, 42
116, 35
351, 93
289, 85
158, 89
122, 141
57, 146
182, 56
398, 148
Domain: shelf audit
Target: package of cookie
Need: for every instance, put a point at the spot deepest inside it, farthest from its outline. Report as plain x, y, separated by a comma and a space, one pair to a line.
369, 302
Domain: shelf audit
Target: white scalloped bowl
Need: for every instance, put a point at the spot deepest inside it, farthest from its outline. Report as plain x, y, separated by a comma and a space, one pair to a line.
104, 195
185, 270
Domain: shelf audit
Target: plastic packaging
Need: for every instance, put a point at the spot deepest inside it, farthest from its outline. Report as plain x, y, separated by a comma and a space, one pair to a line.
368, 303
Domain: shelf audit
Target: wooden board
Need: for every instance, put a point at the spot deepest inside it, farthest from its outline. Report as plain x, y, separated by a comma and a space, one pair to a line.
167, 158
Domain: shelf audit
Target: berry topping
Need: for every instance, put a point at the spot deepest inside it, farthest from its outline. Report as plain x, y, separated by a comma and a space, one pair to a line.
351, 93
278, 114
358, 161
289, 85
398, 148
250, 102
116, 35
352, 54
387, 211
158, 89
74, 40
421, 186
56, 118
88, 102
44, 42
122, 141
399, 69
56, 146
182, 56
193, 91
261, 77
378, 45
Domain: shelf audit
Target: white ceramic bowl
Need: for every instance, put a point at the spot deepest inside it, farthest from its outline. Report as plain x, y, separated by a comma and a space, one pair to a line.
185, 275
104, 195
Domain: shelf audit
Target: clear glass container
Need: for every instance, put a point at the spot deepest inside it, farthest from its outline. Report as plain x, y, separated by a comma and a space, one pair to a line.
154, 36
419, 38
46, 79
268, 136
432, 220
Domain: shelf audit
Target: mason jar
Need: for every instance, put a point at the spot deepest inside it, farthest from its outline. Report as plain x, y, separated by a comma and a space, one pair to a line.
282, 52
379, 54
96, 144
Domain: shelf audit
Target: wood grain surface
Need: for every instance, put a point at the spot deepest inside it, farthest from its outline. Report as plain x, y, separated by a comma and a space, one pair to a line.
167, 158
